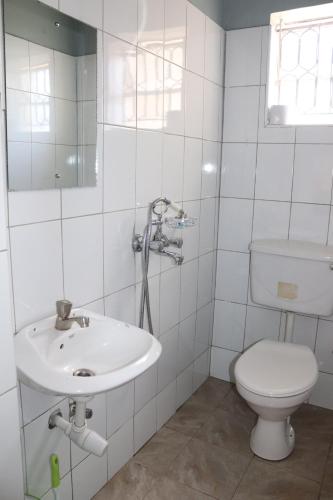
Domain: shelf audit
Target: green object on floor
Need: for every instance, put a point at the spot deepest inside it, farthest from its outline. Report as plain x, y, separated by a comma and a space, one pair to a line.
55, 475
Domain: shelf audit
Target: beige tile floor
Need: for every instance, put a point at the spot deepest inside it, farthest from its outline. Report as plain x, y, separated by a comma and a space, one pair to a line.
203, 453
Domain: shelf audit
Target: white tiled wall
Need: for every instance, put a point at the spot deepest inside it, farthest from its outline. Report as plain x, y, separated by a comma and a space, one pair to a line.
11, 473
276, 182
159, 132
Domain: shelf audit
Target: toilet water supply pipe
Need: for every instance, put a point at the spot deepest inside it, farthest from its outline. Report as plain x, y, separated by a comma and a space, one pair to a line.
77, 430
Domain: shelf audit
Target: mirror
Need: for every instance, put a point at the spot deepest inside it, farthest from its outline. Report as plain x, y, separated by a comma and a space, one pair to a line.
51, 75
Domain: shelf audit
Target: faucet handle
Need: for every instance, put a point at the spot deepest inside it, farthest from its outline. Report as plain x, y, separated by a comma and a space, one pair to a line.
64, 308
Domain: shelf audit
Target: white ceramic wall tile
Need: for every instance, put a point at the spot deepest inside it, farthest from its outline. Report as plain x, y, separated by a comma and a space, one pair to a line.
243, 59
205, 278
309, 222
313, 174
189, 288
192, 169
271, 220
232, 276
7, 366
208, 225
274, 173
119, 168
65, 489
120, 448
17, 63
201, 370
305, 330
119, 71
149, 167
173, 167
235, 224
222, 364
211, 156
119, 265
83, 258
190, 235
195, 46
322, 392
213, 59
261, 324
203, 331
89, 477
229, 325
212, 109
238, 170
166, 404
241, 106
11, 476
122, 305
314, 134
121, 19
34, 403
169, 299
84, 10
185, 353
324, 346
151, 25
150, 98
184, 384
167, 363
119, 407
175, 31
144, 424
265, 44
145, 387
40, 443
37, 270
174, 102
194, 104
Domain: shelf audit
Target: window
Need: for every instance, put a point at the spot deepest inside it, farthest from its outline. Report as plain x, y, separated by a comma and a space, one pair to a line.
300, 89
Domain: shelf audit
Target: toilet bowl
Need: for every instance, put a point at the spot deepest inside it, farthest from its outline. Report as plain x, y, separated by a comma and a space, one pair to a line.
275, 378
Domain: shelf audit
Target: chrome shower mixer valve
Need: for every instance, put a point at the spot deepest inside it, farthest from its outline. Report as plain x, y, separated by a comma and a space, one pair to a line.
159, 243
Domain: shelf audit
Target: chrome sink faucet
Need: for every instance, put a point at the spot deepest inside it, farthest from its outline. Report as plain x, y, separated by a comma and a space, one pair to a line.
64, 321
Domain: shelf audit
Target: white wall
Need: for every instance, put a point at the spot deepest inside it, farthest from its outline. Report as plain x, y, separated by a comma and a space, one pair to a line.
275, 183
11, 477
159, 132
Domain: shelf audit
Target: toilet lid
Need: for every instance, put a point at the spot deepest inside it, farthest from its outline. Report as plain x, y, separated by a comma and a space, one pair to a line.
277, 369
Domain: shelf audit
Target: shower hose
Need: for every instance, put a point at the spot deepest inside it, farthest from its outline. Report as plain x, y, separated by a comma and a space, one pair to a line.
145, 300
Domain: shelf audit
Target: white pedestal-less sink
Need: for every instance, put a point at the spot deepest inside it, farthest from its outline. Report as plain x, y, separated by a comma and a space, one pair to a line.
86, 361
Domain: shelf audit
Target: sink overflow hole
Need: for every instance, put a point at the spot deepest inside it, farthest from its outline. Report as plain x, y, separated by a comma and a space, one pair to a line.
83, 372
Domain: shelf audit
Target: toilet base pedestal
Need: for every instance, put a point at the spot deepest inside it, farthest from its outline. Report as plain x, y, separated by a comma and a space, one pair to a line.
272, 440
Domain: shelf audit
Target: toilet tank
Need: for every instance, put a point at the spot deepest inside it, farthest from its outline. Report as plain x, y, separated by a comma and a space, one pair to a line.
292, 275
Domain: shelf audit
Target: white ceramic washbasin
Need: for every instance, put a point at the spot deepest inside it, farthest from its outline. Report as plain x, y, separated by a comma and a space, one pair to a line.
114, 351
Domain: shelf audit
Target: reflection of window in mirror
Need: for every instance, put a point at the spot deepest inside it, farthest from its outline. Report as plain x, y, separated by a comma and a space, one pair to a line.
51, 73
300, 67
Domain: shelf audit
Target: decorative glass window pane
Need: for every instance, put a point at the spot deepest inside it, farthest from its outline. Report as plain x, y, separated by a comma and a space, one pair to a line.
300, 88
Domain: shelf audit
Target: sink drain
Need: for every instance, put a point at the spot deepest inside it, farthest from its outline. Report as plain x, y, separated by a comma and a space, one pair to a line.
83, 372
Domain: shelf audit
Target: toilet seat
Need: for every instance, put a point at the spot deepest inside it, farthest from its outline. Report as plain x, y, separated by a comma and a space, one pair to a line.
277, 369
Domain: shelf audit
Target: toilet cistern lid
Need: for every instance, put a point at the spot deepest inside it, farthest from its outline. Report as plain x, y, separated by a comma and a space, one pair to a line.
277, 369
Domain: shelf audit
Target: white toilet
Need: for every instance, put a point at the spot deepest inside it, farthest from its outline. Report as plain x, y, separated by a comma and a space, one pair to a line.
275, 378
